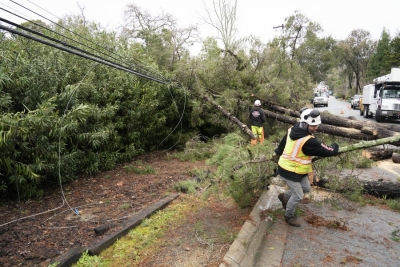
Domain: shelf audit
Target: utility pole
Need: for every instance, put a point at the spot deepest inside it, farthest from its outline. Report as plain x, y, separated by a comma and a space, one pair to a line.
283, 36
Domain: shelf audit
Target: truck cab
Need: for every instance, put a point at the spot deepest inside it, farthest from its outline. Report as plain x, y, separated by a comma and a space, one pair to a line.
382, 99
320, 99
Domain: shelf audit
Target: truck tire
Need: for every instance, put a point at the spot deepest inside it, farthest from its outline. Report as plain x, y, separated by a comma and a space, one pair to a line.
378, 116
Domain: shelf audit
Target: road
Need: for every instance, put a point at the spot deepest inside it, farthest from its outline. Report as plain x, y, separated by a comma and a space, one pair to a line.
342, 108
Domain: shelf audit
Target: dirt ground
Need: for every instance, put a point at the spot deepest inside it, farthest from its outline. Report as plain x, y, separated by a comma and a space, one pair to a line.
35, 232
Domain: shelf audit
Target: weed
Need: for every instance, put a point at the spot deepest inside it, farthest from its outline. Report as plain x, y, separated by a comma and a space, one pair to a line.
107, 176
272, 214
86, 260
393, 204
199, 228
139, 168
298, 212
395, 236
225, 235
124, 206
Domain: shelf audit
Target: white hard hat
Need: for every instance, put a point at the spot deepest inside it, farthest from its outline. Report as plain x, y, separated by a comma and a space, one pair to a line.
311, 116
257, 103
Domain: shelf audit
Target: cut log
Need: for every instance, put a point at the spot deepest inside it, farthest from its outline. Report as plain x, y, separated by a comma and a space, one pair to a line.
377, 130
396, 157
377, 155
323, 128
102, 229
375, 188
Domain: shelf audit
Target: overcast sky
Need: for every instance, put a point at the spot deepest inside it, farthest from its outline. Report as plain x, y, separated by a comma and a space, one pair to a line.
255, 17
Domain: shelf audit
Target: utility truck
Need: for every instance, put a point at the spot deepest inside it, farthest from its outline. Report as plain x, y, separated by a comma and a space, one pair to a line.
382, 98
320, 95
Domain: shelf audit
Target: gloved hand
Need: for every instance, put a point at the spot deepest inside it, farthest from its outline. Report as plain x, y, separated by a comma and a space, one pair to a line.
275, 157
334, 146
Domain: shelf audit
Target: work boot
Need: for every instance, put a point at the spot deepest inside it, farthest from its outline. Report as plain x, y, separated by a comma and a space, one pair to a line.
292, 221
281, 197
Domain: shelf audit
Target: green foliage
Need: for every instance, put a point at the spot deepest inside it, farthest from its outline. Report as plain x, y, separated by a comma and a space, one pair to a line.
394, 56
64, 115
379, 63
243, 168
90, 261
196, 149
188, 186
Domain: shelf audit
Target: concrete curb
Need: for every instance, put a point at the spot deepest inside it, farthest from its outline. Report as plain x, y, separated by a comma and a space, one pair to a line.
73, 255
260, 242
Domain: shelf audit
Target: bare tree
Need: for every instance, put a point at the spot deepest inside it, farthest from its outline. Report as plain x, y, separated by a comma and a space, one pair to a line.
223, 18
159, 35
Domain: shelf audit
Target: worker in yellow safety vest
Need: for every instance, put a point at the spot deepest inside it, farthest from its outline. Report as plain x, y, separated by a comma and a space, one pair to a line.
293, 155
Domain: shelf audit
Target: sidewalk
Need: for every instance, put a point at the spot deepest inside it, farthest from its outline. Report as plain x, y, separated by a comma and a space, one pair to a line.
260, 242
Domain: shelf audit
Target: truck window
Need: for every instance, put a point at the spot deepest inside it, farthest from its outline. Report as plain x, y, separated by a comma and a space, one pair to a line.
390, 93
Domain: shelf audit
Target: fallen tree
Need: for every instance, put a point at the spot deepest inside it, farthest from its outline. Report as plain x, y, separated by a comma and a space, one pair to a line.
324, 128
372, 130
379, 189
241, 125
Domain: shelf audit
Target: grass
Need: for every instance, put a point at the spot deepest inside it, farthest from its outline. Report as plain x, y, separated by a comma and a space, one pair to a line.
139, 168
130, 249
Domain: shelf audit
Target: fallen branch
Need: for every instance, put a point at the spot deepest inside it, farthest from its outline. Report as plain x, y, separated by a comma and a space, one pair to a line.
242, 126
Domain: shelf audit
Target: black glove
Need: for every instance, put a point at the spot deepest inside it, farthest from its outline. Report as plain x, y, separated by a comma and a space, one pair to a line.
275, 157
334, 146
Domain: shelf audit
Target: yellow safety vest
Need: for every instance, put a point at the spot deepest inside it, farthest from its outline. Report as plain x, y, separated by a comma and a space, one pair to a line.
293, 158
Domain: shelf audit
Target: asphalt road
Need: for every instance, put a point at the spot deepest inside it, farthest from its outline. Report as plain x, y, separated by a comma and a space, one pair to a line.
336, 107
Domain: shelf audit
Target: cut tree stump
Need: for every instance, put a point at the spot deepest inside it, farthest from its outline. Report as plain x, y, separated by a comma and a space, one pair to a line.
396, 157
377, 155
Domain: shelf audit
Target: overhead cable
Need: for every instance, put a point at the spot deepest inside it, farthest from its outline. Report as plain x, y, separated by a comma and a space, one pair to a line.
96, 59
80, 36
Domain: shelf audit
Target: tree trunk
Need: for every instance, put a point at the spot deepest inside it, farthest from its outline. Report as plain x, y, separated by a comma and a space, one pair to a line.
242, 126
376, 130
323, 128
374, 188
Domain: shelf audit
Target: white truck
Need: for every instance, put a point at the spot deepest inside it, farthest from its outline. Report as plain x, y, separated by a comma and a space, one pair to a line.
382, 98
320, 95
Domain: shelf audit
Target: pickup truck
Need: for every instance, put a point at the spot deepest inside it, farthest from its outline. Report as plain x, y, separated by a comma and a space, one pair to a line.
320, 99
355, 101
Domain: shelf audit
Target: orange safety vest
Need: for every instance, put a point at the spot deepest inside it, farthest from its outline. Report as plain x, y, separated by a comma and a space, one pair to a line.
293, 158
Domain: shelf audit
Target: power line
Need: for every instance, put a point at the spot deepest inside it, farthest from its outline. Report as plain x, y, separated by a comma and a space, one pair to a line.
96, 59
139, 68
80, 36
